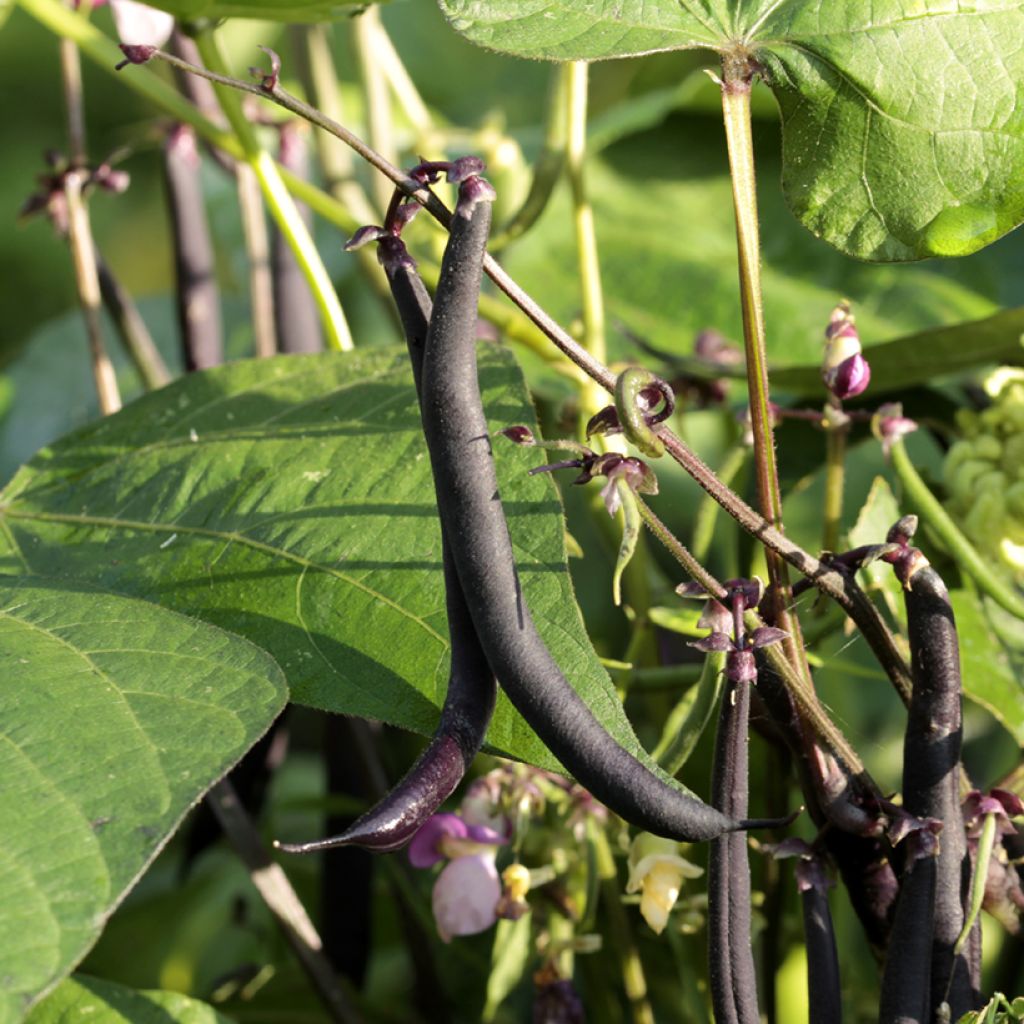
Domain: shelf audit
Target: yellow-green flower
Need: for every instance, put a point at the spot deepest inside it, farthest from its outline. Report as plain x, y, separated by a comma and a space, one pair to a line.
656, 871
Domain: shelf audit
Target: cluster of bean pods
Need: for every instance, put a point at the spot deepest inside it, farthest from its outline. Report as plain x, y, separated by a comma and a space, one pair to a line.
913, 895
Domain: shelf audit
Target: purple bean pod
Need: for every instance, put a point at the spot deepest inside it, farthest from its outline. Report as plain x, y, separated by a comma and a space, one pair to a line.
458, 439
469, 701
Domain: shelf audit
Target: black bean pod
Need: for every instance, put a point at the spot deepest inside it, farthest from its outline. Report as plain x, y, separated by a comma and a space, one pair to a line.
730, 954
931, 774
823, 989
469, 701
474, 521
906, 979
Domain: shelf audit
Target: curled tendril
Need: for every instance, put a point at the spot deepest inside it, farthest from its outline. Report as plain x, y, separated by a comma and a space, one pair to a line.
642, 401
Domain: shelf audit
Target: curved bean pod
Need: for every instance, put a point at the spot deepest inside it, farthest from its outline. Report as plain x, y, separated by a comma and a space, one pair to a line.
469, 701
474, 522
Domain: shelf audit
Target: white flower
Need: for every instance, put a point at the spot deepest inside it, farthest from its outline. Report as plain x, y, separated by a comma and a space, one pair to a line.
140, 25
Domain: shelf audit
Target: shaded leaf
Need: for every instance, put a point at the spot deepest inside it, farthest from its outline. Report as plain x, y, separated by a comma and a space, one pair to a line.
103, 1002
116, 716
901, 127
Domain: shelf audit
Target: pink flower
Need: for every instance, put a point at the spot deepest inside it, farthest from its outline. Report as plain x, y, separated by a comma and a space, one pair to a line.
467, 891
466, 896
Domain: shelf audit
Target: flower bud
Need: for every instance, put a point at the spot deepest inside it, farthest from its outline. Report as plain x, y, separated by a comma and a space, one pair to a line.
844, 369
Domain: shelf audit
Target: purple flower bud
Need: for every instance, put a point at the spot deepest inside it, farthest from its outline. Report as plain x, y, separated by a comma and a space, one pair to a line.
393, 255
849, 379
466, 896
713, 643
518, 434
844, 369
269, 80
999, 802
889, 425
605, 421
637, 475
763, 636
715, 616
363, 236
463, 168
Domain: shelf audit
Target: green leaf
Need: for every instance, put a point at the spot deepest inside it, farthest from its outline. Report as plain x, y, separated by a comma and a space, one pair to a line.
903, 137
290, 501
103, 1002
922, 357
672, 204
116, 716
510, 956
987, 665
269, 10
877, 515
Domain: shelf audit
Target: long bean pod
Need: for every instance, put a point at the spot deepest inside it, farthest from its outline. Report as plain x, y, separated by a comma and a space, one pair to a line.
469, 701
474, 522
731, 957
931, 774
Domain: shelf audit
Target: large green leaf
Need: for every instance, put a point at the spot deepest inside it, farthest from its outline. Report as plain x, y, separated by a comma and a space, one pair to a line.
903, 133
83, 998
115, 717
290, 500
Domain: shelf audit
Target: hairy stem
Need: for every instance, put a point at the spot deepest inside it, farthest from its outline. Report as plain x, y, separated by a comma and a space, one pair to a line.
736, 85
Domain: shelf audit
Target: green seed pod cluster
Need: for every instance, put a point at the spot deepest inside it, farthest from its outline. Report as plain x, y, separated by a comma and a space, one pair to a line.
984, 474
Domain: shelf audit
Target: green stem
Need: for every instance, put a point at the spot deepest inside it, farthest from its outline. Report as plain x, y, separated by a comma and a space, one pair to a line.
397, 77
986, 842
687, 721
621, 933
835, 472
707, 511
279, 201
257, 250
380, 131
592, 296
963, 552
737, 77
548, 167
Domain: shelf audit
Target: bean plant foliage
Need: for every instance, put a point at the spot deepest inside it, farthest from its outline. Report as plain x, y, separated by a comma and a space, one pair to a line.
188, 579
872, 95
